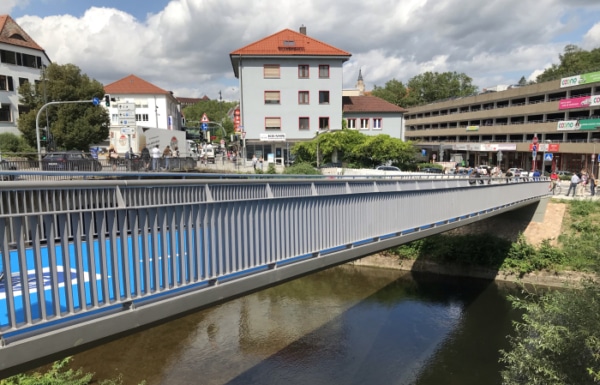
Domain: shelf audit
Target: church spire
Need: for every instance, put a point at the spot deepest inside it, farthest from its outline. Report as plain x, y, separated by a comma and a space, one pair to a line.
360, 85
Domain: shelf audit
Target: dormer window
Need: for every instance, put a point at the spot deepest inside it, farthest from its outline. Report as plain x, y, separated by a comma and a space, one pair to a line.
17, 37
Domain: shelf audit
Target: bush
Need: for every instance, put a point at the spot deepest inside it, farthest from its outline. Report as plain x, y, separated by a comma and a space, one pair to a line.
301, 169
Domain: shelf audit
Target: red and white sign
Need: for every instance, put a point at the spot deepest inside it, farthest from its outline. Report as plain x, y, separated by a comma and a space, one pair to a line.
205, 118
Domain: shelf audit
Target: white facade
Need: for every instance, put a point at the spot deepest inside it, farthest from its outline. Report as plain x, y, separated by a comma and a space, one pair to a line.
299, 97
17, 65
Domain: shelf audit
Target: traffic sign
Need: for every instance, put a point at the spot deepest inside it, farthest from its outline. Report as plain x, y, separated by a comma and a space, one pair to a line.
95, 101
535, 140
548, 156
126, 107
204, 126
126, 122
126, 114
205, 118
598, 158
533, 154
128, 130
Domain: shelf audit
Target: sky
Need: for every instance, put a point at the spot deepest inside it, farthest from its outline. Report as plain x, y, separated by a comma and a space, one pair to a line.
184, 45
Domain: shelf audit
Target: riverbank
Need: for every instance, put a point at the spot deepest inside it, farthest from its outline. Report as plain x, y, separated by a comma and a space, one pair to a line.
504, 226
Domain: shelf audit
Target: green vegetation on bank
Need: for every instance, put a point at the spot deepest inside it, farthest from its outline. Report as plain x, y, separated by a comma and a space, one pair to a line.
577, 247
60, 374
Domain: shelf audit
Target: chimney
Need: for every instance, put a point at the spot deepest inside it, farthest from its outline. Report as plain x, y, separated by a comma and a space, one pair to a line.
303, 29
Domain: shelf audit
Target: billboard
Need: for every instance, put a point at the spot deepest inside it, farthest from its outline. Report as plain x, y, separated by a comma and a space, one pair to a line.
580, 102
576, 80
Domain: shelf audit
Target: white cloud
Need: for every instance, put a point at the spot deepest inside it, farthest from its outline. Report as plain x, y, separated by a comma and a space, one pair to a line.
185, 47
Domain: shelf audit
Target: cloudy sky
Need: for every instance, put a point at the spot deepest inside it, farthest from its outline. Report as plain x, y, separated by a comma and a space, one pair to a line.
184, 45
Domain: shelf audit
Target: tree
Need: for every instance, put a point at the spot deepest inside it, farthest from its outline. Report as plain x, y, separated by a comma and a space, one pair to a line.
215, 110
72, 126
13, 144
380, 149
522, 81
558, 340
426, 88
573, 61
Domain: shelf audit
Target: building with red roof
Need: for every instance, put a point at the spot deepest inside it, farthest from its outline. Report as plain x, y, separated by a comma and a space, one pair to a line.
21, 60
290, 89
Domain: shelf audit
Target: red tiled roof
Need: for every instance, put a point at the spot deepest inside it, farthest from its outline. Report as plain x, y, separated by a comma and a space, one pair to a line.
12, 33
133, 85
289, 43
368, 104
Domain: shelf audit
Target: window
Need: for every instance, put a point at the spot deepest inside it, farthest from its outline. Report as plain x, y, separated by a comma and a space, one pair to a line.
141, 117
323, 97
271, 71
114, 118
273, 123
272, 97
6, 83
352, 123
22, 81
377, 123
23, 109
141, 103
8, 57
364, 124
5, 113
324, 71
302, 97
304, 124
303, 71
323, 123
29, 61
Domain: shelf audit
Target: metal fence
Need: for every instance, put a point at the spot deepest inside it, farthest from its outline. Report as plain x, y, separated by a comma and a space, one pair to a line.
82, 251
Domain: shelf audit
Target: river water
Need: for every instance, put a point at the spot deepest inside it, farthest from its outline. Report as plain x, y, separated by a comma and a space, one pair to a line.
345, 325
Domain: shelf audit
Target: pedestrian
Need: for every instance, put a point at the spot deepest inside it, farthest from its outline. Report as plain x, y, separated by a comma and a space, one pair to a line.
584, 182
155, 158
146, 157
574, 183
592, 182
113, 157
254, 161
167, 154
260, 163
553, 181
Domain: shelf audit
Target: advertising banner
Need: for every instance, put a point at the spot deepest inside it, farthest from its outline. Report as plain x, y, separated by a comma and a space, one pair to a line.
272, 137
576, 80
580, 102
546, 147
595, 100
589, 124
472, 128
567, 125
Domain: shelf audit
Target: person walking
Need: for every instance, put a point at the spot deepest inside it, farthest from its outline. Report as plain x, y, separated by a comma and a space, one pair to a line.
113, 157
155, 158
146, 158
254, 161
574, 183
592, 182
167, 154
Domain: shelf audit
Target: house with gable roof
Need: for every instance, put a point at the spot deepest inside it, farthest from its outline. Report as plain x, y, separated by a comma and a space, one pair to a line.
290, 89
21, 60
154, 108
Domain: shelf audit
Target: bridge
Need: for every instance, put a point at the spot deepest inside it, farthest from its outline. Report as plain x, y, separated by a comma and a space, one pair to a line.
86, 259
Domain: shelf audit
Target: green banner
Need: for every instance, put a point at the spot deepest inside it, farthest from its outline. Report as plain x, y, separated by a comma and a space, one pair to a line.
591, 77
589, 124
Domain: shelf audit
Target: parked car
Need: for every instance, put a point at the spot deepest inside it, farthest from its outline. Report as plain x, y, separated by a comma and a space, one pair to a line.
514, 171
432, 170
70, 161
564, 173
7, 166
387, 168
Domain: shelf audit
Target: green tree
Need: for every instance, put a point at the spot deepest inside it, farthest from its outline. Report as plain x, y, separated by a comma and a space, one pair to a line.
558, 340
573, 61
522, 81
426, 88
13, 144
72, 126
394, 92
216, 111
380, 149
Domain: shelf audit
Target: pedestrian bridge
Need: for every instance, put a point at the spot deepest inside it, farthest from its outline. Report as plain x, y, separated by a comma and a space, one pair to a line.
82, 260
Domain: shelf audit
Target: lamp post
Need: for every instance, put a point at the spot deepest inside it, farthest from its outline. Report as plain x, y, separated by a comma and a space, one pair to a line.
544, 158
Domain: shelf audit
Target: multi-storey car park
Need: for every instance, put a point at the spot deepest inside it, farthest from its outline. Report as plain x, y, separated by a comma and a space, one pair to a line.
503, 126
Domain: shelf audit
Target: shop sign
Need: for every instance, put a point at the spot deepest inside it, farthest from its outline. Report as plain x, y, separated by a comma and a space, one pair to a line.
280, 137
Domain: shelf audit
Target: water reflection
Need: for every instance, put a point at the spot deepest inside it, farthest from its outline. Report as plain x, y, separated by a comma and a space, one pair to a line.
346, 325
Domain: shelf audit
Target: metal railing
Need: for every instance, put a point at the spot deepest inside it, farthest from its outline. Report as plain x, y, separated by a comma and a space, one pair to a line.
125, 253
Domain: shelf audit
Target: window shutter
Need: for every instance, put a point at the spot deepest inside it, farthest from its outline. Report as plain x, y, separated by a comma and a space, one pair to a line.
273, 123
271, 71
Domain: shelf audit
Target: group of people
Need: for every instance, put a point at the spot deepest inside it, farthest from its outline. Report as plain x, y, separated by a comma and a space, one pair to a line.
257, 162
150, 159
580, 181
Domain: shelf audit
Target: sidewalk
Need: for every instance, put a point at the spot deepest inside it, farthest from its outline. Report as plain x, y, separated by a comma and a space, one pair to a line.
586, 193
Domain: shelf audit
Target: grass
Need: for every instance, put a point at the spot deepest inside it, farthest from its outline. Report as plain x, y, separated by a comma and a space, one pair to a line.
578, 247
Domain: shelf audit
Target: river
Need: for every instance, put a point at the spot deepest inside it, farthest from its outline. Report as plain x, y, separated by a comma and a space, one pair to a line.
345, 325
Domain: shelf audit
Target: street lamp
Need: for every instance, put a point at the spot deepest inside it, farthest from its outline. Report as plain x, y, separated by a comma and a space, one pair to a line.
544, 158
